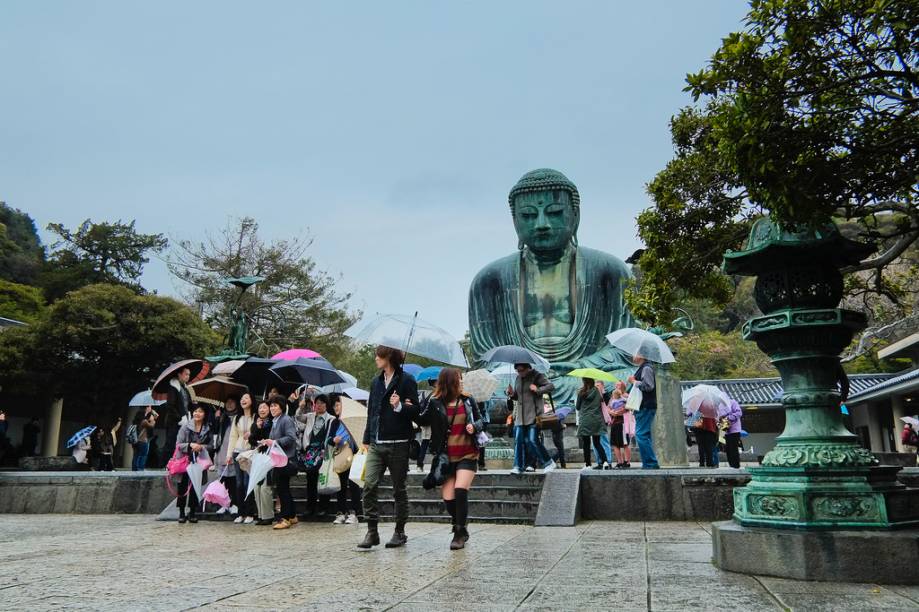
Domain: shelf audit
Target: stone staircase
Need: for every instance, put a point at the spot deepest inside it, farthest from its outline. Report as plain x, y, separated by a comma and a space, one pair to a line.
496, 497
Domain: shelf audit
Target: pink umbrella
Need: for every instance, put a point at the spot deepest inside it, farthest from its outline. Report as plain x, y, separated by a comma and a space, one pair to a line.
294, 354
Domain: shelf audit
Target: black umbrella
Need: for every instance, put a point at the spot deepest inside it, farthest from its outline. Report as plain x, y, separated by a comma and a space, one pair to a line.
316, 372
254, 373
515, 354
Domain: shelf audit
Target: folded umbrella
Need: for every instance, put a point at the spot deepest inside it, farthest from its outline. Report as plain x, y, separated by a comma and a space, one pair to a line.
635, 341
199, 369
409, 334
258, 470
480, 385
83, 433
196, 477
593, 373
515, 354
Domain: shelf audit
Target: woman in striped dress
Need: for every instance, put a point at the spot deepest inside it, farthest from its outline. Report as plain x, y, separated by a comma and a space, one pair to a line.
464, 422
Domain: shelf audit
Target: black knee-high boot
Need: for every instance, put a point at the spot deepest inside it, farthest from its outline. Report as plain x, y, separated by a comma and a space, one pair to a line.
462, 510
450, 505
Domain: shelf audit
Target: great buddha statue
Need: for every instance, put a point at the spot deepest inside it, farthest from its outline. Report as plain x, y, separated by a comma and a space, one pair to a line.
552, 296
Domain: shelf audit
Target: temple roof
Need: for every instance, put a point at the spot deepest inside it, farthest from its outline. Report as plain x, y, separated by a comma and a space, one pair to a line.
767, 392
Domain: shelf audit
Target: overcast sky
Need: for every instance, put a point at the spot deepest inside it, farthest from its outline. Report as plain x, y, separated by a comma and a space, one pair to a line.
390, 131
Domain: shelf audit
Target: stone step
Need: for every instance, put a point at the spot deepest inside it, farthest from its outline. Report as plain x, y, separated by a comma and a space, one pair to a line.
478, 492
479, 509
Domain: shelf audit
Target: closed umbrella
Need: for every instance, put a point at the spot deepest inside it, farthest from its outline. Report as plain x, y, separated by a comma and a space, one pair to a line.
410, 334
515, 354
635, 341
196, 477
145, 398
480, 385
258, 470
199, 369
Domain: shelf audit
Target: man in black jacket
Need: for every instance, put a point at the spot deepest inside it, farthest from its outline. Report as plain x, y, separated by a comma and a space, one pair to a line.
177, 406
392, 407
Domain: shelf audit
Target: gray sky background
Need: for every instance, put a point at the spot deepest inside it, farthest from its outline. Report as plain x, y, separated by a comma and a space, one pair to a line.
390, 131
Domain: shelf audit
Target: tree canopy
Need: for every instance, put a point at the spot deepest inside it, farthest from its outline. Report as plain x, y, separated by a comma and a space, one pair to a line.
809, 114
296, 304
21, 252
105, 252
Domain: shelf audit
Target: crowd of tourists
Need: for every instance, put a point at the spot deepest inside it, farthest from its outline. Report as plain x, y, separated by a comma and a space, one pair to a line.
303, 428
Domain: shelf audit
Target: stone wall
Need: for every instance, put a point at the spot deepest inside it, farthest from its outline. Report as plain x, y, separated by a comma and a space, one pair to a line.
83, 493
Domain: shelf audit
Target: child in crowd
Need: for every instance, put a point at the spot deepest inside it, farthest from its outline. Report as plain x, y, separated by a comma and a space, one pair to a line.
619, 430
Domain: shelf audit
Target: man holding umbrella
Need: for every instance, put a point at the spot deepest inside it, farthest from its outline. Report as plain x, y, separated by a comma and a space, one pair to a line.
392, 407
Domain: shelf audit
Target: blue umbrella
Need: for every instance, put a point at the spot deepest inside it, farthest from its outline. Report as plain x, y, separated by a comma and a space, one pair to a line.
83, 433
145, 398
429, 373
412, 368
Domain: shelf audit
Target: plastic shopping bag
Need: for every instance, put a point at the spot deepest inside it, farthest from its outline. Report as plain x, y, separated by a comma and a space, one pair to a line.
356, 474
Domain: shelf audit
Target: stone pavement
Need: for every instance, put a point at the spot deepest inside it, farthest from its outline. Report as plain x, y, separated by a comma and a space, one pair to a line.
132, 562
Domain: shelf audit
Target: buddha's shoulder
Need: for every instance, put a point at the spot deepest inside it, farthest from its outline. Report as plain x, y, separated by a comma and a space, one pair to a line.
497, 270
602, 261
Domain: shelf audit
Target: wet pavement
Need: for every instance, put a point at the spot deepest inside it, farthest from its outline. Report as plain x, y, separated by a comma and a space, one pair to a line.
132, 562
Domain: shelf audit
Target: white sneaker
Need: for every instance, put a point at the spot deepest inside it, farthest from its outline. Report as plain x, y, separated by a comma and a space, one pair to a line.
249, 520
234, 509
515, 471
222, 511
419, 469
238, 520
552, 465
351, 520
586, 468
339, 519
530, 468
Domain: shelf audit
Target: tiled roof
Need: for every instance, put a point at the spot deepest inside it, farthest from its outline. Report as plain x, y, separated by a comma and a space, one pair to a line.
767, 392
890, 383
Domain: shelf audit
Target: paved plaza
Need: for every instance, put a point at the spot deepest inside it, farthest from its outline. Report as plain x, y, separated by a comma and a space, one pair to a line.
135, 563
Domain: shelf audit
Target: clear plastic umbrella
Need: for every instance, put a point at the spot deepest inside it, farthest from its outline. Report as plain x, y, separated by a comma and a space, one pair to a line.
410, 334
480, 385
145, 398
635, 341
350, 382
196, 477
358, 395
708, 395
258, 470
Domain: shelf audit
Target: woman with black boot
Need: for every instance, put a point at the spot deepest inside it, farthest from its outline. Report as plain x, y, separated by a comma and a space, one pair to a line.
464, 422
192, 440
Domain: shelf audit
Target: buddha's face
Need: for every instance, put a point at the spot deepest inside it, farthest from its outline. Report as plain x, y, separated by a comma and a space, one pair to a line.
545, 220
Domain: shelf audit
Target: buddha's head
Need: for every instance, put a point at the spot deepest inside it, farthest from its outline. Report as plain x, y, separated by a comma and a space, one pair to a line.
546, 210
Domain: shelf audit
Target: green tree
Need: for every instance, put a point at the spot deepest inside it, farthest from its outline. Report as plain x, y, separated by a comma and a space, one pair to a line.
99, 345
809, 114
21, 252
98, 253
296, 305
20, 302
713, 355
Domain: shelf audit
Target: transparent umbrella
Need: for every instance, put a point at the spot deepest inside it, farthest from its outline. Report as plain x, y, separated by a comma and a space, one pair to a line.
708, 397
635, 341
410, 334
480, 385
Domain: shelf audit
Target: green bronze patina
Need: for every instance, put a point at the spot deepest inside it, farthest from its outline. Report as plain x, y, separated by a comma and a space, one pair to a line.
237, 340
817, 476
553, 296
